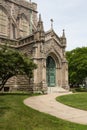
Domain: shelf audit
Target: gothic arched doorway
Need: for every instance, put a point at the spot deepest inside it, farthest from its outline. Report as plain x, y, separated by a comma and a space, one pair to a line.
50, 72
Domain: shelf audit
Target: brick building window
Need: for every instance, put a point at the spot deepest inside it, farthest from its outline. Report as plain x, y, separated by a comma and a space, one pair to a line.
3, 22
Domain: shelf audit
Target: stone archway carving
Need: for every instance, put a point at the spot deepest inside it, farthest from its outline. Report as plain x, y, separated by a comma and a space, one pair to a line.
50, 71
54, 72
52, 52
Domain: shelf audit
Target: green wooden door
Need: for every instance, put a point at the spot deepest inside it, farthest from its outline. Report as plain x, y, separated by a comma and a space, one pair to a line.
51, 71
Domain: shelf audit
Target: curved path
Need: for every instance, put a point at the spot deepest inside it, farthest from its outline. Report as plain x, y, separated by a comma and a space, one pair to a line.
48, 104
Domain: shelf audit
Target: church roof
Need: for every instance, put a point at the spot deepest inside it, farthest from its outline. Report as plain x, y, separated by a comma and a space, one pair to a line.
51, 33
25, 4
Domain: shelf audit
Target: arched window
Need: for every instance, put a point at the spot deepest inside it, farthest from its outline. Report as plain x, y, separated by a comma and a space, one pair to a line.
50, 71
24, 26
3, 22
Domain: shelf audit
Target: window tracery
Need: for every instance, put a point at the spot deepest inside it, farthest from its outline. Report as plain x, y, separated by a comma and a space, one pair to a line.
3, 22
24, 26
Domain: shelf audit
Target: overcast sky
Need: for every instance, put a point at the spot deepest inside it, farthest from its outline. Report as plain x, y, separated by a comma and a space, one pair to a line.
70, 15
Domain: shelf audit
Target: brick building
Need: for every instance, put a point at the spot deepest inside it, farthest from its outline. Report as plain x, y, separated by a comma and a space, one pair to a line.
21, 28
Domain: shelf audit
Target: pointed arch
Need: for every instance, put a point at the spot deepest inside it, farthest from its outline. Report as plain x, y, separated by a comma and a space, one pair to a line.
53, 75
3, 21
51, 71
23, 25
56, 56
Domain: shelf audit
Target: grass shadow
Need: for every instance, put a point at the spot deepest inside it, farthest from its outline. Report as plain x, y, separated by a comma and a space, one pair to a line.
20, 94
3, 110
2, 94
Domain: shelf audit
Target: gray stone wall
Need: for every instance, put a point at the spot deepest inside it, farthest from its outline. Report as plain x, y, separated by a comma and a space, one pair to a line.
14, 9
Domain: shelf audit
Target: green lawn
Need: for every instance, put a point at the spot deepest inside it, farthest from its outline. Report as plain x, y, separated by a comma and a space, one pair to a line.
78, 100
14, 115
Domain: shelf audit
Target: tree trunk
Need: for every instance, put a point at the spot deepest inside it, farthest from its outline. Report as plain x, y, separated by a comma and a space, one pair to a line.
3, 84
1, 87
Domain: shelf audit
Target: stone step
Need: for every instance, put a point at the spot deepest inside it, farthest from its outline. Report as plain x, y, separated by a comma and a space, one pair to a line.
57, 90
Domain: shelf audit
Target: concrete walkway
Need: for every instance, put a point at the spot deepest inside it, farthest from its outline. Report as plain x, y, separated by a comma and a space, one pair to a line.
48, 104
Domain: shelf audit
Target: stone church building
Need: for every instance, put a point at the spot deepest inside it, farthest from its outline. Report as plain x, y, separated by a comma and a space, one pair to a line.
22, 29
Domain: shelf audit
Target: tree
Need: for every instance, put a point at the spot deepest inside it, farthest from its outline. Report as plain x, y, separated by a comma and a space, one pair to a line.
12, 63
77, 61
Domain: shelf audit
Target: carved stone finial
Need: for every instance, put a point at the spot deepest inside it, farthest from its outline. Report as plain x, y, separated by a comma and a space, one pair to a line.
63, 35
51, 23
30, 1
40, 18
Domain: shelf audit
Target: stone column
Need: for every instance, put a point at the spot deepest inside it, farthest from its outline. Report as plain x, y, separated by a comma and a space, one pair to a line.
10, 28
44, 83
65, 75
35, 51
59, 77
